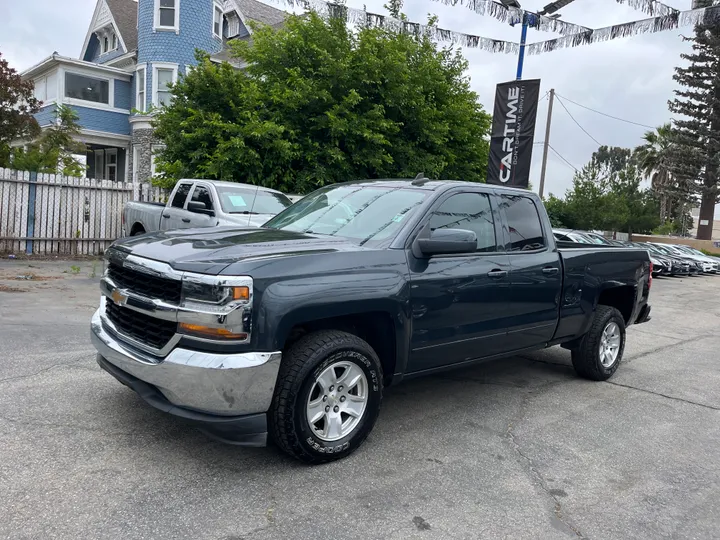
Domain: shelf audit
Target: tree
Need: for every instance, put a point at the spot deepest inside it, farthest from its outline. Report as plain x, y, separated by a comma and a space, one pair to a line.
606, 195
53, 151
655, 160
696, 157
394, 7
320, 104
17, 106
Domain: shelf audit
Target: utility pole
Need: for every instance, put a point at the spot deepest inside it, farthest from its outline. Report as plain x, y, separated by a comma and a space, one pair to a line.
546, 145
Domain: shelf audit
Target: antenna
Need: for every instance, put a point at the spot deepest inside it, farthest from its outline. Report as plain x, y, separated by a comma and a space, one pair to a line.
257, 190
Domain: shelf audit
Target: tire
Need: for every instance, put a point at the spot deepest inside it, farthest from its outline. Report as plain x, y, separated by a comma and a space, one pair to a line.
587, 359
299, 391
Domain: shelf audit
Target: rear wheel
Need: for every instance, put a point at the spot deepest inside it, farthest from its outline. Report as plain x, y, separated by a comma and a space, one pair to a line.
137, 230
600, 351
327, 396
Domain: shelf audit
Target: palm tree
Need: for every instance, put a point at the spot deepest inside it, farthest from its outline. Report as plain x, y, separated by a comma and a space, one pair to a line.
655, 161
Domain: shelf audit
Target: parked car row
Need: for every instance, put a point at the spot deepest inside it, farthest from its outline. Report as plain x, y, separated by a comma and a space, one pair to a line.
667, 259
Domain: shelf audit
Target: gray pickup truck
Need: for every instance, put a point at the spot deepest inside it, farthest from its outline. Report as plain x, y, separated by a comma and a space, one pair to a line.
294, 329
204, 203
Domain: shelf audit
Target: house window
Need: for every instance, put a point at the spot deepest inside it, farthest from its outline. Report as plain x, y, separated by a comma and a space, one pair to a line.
111, 163
233, 25
218, 21
166, 14
140, 81
99, 164
87, 88
114, 42
162, 78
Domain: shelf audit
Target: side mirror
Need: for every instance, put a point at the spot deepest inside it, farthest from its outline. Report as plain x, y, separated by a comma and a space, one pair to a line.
448, 241
198, 207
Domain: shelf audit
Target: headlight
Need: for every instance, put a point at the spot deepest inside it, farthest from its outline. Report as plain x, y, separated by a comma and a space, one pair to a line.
218, 308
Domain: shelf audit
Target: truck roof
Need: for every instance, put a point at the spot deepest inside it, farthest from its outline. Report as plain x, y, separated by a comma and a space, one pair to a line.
229, 184
428, 185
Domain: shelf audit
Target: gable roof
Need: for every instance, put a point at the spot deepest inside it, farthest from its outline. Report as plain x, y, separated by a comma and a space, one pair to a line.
257, 11
125, 14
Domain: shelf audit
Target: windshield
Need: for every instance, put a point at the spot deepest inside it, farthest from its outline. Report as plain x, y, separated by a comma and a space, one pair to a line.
596, 238
659, 249
248, 200
579, 238
361, 212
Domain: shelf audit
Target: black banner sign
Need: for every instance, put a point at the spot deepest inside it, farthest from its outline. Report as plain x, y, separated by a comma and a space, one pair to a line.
513, 128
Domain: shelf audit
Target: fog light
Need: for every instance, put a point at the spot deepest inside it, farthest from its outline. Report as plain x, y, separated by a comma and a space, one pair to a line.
209, 332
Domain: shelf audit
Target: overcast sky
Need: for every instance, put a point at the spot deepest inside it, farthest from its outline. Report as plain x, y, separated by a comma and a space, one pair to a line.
629, 78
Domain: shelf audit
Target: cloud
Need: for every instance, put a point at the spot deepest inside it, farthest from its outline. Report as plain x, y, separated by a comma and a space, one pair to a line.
629, 78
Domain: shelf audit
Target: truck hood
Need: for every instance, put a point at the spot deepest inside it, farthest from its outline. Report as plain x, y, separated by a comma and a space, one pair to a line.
210, 250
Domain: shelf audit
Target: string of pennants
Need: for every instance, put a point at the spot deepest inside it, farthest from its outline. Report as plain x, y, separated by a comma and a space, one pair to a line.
572, 35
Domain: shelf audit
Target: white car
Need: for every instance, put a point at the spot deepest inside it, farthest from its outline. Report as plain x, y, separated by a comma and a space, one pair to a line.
708, 265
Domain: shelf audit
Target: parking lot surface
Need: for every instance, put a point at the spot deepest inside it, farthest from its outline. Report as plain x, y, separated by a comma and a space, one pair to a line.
516, 448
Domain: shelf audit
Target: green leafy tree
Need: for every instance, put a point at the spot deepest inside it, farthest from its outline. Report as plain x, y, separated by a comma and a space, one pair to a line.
17, 106
696, 157
606, 195
655, 160
53, 151
394, 7
318, 104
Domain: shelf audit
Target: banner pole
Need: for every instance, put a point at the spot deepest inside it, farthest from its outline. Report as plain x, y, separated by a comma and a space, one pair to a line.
521, 54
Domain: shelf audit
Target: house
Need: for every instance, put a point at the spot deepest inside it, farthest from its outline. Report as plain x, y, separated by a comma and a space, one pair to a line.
132, 50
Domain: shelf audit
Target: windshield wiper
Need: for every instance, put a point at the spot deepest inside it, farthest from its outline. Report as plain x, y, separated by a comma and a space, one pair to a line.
245, 212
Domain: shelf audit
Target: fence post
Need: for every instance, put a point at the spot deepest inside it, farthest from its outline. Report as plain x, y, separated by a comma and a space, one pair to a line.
32, 189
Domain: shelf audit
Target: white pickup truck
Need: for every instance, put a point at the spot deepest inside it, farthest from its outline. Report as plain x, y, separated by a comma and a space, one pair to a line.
205, 203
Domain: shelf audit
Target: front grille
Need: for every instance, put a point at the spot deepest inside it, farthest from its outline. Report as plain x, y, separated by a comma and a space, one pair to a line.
144, 284
145, 329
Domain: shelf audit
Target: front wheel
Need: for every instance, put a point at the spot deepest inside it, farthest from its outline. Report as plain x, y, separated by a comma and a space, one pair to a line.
327, 396
601, 349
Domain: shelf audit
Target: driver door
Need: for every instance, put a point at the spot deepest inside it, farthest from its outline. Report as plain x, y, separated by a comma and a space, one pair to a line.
201, 193
458, 301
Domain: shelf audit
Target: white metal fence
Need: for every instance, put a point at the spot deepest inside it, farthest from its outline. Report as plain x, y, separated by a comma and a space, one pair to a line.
47, 214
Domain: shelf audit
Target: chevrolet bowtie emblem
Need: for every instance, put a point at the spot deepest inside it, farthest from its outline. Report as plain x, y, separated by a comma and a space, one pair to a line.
119, 298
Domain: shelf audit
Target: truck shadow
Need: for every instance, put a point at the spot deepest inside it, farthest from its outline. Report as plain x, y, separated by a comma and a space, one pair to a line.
488, 394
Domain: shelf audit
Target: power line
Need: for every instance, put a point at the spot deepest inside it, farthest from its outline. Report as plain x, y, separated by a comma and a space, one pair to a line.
565, 160
578, 123
605, 114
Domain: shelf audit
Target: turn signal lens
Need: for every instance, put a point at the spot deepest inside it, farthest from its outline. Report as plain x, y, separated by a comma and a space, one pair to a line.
240, 293
208, 332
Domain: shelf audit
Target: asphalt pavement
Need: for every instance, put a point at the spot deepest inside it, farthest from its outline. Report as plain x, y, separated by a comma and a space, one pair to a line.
517, 448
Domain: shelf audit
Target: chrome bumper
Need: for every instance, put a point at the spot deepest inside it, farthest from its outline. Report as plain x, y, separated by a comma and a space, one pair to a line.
219, 384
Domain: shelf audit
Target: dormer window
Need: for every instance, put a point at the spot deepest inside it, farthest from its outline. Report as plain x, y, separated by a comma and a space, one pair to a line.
167, 15
108, 40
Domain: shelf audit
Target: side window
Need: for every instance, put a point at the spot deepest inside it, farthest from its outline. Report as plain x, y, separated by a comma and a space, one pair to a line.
180, 195
523, 222
470, 211
201, 194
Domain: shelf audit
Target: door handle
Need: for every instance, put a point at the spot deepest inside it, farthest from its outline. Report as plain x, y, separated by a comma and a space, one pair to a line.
497, 273
166, 215
186, 220
550, 270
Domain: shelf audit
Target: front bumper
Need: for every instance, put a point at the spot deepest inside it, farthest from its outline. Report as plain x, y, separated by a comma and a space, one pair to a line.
205, 388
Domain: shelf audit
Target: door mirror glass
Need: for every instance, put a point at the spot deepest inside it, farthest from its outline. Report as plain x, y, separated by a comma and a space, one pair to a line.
448, 241
198, 207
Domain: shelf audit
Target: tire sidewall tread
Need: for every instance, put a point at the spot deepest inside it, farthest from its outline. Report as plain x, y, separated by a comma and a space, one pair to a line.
586, 358
300, 366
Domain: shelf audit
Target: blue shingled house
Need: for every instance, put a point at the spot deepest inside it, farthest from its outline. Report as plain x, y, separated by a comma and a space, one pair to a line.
132, 50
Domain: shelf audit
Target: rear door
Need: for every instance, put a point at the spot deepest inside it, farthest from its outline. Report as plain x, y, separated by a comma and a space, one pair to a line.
174, 213
535, 272
458, 301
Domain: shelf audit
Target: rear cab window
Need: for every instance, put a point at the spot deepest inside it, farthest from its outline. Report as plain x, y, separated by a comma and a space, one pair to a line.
181, 195
524, 225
